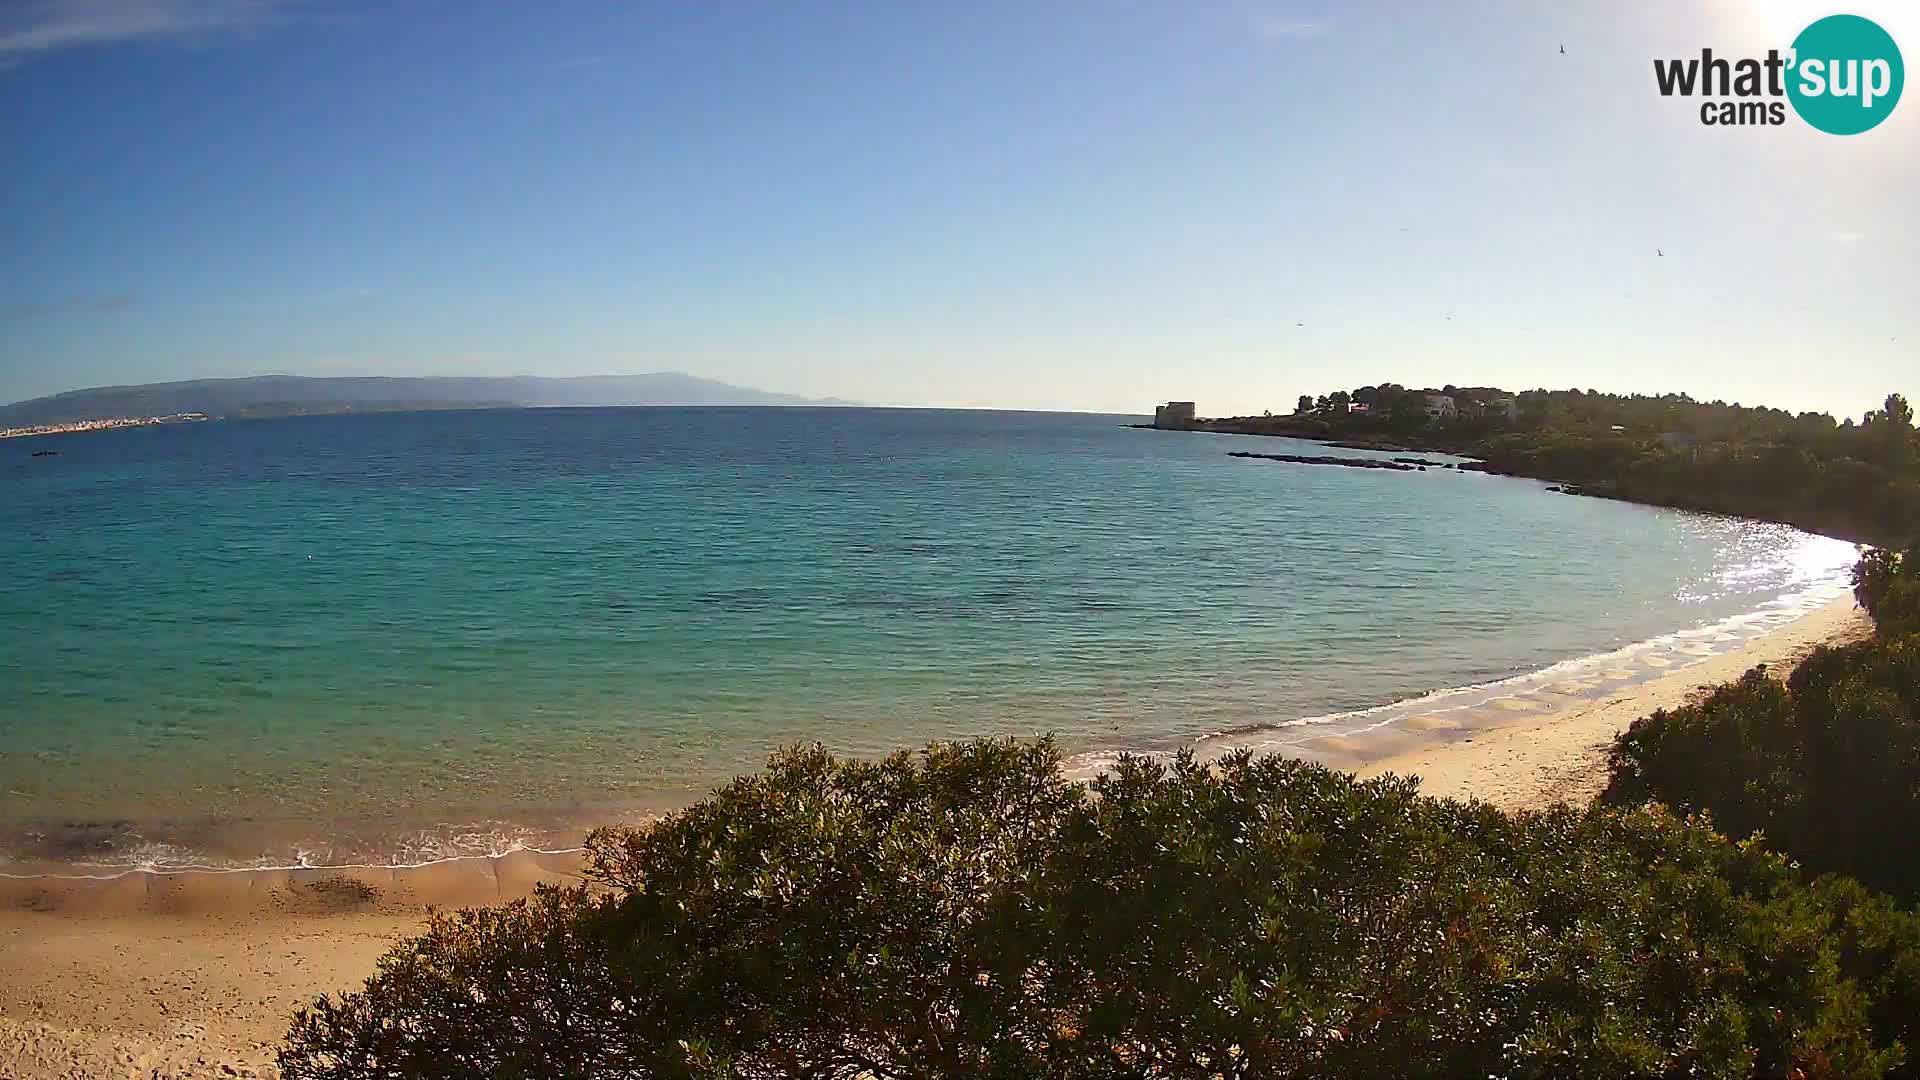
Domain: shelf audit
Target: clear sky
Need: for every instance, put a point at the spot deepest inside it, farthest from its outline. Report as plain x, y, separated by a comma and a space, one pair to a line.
1014, 203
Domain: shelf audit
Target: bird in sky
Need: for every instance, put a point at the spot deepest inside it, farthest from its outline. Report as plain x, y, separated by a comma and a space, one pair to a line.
1660, 253
1563, 50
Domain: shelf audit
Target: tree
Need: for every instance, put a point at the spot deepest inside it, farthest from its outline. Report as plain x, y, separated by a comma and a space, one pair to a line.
1892, 430
1899, 413
1304, 405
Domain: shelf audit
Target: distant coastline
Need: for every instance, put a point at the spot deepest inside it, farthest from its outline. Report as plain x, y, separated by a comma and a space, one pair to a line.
269, 396
108, 424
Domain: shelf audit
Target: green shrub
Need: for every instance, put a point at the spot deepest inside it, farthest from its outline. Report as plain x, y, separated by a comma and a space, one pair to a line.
968, 912
1826, 765
1887, 584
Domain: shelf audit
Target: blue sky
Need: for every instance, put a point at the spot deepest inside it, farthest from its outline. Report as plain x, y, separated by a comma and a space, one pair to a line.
1023, 204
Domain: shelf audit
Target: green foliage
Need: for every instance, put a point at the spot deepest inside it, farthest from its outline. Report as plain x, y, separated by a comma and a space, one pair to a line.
969, 912
1887, 584
1826, 765
507, 992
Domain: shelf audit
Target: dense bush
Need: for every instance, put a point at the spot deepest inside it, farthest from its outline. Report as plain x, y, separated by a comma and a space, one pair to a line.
1826, 765
968, 912
1887, 584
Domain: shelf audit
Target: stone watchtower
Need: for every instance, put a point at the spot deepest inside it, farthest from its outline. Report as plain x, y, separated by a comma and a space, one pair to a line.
1174, 415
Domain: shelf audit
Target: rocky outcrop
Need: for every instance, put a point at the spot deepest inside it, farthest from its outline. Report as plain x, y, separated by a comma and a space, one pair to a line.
1351, 463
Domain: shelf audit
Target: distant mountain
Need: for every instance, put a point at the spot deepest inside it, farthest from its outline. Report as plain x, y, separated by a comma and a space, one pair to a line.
294, 395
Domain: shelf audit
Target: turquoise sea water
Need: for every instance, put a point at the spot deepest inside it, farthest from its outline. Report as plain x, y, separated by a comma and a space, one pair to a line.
395, 637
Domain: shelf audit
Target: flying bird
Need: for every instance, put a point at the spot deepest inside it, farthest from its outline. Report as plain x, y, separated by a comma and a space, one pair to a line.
1660, 253
1563, 49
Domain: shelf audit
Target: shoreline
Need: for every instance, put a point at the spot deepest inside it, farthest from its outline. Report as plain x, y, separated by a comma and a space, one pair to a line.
1359, 739
194, 974
1592, 487
1538, 760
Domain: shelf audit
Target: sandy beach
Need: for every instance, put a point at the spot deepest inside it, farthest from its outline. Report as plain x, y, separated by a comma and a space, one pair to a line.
194, 975
1538, 760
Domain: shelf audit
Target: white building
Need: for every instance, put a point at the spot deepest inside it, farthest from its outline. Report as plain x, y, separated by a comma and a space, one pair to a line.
1440, 406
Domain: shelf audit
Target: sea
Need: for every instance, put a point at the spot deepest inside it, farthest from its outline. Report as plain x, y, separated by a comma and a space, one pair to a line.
396, 638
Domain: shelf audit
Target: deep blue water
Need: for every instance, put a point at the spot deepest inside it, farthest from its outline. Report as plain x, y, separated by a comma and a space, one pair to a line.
394, 635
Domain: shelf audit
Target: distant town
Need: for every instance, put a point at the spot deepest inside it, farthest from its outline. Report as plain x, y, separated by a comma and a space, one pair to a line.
100, 425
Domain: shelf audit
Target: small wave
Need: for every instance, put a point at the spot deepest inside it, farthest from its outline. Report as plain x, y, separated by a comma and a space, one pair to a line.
116, 871
1767, 616
422, 849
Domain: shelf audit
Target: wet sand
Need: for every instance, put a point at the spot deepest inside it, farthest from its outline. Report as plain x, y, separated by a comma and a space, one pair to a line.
194, 975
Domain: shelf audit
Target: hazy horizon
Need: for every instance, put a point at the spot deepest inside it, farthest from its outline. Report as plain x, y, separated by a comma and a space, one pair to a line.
1077, 206
837, 400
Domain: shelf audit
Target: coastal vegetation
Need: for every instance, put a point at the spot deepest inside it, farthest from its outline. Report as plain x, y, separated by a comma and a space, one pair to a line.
969, 911
1825, 766
1859, 480
1887, 584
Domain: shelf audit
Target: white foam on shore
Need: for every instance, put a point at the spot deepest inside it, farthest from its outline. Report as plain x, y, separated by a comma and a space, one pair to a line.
1288, 735
428, 847
159, 869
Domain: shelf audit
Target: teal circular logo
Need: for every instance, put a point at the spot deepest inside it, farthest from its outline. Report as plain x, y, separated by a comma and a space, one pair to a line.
1846, 74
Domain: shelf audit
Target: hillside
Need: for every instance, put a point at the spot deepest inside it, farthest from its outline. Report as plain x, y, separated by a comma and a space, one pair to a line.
292, 395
